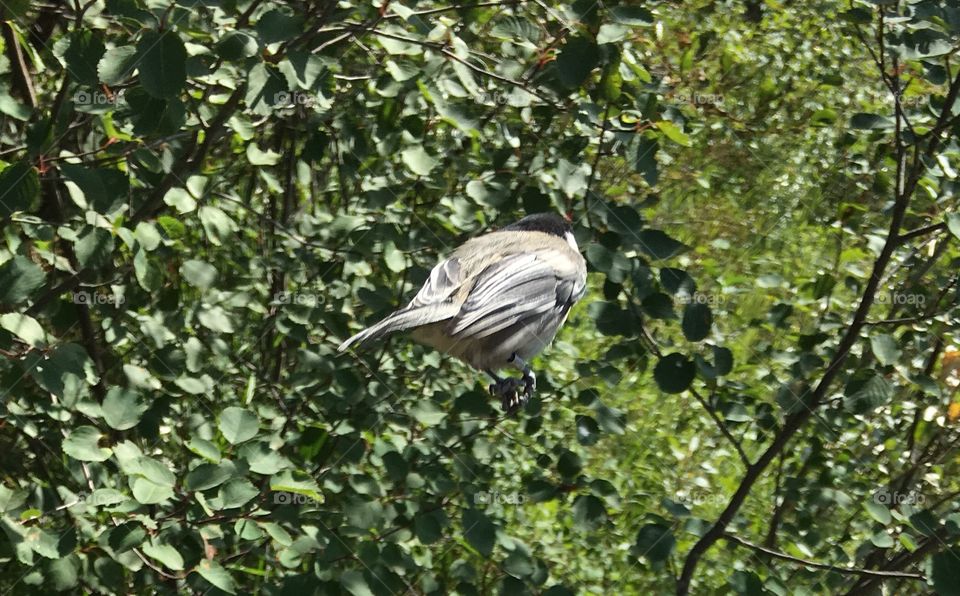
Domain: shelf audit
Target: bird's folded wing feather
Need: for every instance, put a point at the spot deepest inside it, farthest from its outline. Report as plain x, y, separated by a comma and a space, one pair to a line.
445, 278
508, 291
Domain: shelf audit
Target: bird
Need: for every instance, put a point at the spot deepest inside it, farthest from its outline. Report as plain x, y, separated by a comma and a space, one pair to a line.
496, 302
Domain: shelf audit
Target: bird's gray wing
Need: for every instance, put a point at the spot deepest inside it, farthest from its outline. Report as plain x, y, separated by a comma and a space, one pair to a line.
445, 278
431, 305
511, 290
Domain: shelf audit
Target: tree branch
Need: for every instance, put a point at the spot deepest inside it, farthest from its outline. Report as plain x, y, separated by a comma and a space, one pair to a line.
794, 422
723, 428
933, 228
882, 575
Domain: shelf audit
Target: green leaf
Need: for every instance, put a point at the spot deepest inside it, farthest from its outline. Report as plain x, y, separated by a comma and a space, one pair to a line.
147, 235
58, 370
882, 539
866, 391
659, 245
304, 485
945, 572
198, 273
277, 26
611, 33
104, 497
94, 248
259, 157
165, 554
677, 281
588, 431
140, 377
102, 189
428, 527
62, 574
655, 542
644, 158
13, 108
19, 189
206, 476
42, 543
263, 459
674, 373
673, 132
578, 57
427, 413
236, 45
215, 574
569, 464
923, 43
82, 56
126, 536
722, 361
953, 224
863, 121
479, 531
885, 348
631, 15
236, 493
588, 512
162, 60
658, 306
122, 408
25, 327
216, 319
180, 199
204, 449
82, 443
117, 64
154, 116
418, 160
192, 385
238, 424
355, 583
266, 86
697, 320
150, 493
217, 224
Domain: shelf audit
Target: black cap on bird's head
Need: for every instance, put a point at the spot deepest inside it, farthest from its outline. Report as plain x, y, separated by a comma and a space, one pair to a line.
548, 223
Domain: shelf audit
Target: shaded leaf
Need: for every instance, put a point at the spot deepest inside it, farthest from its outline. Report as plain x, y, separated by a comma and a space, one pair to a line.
162, 60
674, 373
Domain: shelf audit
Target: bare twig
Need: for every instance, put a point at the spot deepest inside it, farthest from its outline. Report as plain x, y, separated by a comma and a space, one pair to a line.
807, 563
723, 428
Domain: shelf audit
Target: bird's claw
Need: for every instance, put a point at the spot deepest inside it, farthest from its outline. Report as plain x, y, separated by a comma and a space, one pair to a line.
510, 394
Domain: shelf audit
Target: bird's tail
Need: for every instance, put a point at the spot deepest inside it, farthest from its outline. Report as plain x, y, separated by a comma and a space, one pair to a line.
401, 320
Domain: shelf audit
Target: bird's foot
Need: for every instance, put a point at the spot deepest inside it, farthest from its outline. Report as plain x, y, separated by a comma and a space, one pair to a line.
514, 393
507, 389
529, 382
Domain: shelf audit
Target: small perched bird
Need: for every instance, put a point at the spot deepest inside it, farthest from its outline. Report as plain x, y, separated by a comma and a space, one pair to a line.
497, 301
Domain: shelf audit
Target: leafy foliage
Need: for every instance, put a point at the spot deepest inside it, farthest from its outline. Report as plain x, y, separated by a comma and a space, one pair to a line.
200, 200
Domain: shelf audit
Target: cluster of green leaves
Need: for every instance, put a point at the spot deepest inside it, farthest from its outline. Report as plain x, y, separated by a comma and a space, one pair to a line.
200, 200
